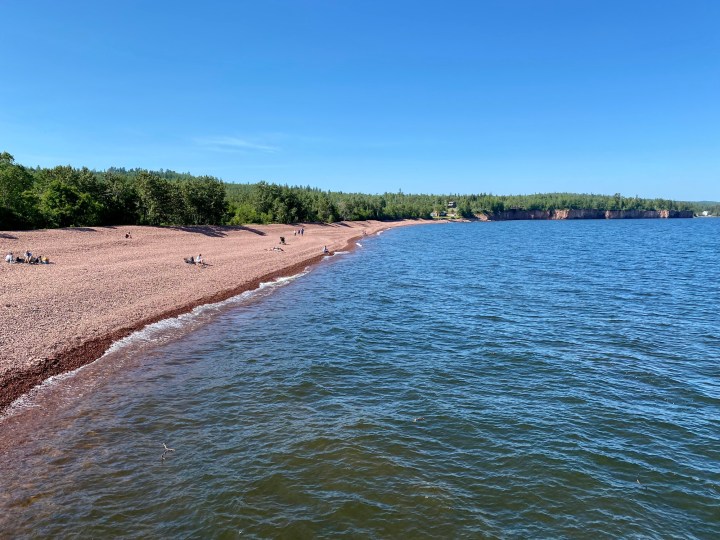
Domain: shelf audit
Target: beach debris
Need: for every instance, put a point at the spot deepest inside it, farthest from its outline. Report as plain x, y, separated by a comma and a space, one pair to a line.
162, 458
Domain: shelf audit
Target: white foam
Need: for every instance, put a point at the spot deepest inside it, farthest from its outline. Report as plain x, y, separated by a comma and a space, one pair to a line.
154, 331
27, 401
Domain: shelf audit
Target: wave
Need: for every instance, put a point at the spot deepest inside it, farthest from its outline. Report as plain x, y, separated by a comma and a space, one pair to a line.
158, 332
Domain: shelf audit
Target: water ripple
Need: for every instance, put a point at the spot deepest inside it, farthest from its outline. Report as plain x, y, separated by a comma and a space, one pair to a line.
500, 380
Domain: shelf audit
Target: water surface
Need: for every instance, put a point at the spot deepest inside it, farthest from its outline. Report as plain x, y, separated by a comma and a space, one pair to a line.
511, 380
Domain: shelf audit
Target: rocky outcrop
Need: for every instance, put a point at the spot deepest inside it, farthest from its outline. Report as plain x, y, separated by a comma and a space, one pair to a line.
510, 215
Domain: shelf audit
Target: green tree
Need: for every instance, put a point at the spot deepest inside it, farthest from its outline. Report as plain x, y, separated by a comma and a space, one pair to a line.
16, 201
63, 205
204, 201
155, 198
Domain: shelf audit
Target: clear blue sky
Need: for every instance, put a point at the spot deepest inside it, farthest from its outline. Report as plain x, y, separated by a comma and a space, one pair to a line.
503, 96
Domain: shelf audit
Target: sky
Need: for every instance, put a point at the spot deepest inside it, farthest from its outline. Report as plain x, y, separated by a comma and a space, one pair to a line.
503, 97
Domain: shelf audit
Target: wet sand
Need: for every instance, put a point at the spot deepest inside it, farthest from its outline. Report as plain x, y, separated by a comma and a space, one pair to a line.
102, 286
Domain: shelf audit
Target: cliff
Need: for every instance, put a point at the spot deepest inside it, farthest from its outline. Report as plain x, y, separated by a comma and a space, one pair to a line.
509, 215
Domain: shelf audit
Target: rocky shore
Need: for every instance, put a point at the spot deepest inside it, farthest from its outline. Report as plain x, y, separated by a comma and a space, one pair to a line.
510, 215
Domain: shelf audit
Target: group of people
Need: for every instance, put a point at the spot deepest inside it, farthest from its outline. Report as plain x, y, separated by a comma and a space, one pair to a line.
28, 258
299, 232
195, 260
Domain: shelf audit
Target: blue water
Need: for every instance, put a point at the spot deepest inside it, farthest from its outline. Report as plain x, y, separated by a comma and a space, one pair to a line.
499, 380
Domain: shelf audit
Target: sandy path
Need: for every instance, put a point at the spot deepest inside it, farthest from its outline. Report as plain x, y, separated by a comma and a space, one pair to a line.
102, 286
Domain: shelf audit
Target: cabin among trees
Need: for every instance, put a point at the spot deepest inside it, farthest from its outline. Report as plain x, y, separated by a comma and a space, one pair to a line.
449, 212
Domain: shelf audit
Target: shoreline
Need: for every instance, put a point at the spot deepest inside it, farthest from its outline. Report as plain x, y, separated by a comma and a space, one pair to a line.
572, 214
19, 376
16, 385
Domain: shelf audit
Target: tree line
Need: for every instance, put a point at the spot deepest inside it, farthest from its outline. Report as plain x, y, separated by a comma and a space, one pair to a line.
65, 196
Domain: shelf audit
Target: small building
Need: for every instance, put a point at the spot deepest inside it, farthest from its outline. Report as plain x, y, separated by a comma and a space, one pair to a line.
452, 204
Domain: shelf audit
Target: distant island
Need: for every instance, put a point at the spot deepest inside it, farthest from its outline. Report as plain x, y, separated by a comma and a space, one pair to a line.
64, 196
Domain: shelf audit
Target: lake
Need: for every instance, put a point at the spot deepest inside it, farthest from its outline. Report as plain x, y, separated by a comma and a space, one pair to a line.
556, 379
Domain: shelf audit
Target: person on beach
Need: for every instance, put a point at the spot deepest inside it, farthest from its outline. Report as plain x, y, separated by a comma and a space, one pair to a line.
325, 250
302, 231
127, 235
199, 259
28, 256
9, 257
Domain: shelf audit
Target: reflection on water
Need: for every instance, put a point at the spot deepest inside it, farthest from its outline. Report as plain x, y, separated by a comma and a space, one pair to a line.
529, 379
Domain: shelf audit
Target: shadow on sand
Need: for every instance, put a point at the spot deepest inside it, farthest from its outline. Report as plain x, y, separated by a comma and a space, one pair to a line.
79, 229
216, 231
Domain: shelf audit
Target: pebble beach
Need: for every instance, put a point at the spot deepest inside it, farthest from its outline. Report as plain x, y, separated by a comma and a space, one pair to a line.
103, 283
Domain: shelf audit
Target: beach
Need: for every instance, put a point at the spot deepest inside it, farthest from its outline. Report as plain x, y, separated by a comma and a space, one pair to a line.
104, 283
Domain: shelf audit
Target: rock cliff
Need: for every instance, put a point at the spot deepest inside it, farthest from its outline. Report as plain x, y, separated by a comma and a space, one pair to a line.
509, 215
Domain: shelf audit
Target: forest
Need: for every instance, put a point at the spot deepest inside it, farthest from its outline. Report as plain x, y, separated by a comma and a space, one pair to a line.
65, 196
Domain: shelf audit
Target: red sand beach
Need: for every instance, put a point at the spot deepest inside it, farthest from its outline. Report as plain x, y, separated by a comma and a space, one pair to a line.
101, 286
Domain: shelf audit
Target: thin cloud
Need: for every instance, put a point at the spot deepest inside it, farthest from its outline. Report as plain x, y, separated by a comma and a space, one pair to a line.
233, 144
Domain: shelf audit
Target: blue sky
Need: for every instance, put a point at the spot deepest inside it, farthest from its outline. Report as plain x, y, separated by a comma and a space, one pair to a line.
444, 97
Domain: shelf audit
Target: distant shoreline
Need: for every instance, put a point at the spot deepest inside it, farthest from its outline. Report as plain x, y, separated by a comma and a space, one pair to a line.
101, 286
511, 215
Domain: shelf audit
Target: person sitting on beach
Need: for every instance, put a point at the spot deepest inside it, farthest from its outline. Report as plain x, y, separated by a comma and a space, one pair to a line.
325, 250
282, 240
127, 235
43, 259
9, 258
190, 260
199, 259
28, 256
